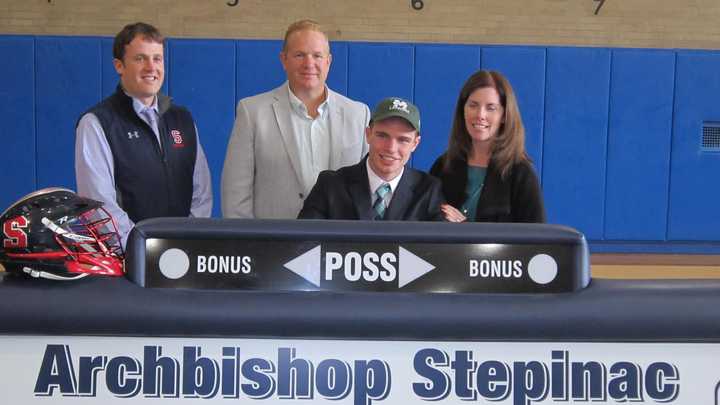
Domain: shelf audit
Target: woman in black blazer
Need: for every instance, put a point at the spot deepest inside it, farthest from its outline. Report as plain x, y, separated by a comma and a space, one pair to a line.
486, 173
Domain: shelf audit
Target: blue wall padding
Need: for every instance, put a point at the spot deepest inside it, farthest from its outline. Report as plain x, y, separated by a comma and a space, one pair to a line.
68, 83
257, 67
694, 186
525, 69
17, 109
338, 75
614, 133
440, 72
575, 137
110, 77
203, 81
376, 71
638, 160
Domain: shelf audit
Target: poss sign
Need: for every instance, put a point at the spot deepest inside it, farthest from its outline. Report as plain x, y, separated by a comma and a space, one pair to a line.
362, 266
312, 260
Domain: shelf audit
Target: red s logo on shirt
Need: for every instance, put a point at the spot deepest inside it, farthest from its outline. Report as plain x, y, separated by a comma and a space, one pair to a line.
177, 138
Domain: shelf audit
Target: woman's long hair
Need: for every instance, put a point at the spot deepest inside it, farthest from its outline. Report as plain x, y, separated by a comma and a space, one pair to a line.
508, 145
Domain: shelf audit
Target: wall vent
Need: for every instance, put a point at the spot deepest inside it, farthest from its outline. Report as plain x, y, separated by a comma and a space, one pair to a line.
710, 141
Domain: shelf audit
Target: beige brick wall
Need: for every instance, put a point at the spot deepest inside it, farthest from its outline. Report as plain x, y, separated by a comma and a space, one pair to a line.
620, 23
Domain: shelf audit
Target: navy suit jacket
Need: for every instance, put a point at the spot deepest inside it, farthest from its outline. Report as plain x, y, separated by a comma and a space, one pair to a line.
345, 194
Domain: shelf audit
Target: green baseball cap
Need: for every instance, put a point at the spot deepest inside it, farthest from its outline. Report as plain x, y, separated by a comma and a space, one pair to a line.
397, 107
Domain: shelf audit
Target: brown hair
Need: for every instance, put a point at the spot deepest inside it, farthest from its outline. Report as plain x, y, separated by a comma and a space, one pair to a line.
508, 146
304, 25
129, 32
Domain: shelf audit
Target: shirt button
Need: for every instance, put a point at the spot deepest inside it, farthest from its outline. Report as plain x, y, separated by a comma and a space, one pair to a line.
300, 195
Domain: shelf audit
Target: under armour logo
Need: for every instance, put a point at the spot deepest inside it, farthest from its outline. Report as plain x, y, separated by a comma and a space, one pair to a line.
133, 134
400, 105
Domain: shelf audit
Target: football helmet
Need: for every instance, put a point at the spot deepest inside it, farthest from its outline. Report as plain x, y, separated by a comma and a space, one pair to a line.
53, 233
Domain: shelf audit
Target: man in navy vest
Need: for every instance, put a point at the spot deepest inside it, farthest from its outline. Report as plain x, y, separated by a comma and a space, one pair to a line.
136, 151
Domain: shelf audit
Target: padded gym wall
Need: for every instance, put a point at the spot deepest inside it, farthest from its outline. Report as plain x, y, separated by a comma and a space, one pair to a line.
614, 133
17, 111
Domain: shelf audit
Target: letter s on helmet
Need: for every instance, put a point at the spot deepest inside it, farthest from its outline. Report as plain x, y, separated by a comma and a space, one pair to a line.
53, 233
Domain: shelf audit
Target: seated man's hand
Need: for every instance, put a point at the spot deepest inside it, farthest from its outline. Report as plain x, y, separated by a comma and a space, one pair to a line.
452, 214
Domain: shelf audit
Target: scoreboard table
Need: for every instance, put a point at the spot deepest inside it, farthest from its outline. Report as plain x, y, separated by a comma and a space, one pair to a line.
107, 340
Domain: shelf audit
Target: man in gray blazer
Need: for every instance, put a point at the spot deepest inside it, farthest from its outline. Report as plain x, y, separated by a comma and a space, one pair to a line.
284, 138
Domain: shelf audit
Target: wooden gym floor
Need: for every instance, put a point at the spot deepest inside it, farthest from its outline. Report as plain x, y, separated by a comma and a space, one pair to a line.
645, 266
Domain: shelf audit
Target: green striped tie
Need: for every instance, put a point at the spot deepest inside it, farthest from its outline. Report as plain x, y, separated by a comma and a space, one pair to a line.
379, 205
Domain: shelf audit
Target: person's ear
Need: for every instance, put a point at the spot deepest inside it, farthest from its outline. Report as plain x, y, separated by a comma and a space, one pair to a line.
283, 60
417, 142
119, 66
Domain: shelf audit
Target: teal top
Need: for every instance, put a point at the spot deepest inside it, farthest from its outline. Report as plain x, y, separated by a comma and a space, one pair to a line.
476, 180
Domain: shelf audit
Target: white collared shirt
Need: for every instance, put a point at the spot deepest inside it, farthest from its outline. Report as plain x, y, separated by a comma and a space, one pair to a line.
376, 181
313, 138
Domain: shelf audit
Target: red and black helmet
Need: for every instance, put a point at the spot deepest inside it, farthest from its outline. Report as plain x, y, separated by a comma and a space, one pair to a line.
54, 233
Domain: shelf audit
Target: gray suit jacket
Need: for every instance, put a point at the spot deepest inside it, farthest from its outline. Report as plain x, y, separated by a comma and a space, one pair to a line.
262, 176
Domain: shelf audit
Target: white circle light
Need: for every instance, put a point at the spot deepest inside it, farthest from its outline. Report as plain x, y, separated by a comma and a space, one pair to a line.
542, 269
174, 263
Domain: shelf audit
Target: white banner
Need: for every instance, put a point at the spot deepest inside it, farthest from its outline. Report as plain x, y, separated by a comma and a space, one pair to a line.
71, 370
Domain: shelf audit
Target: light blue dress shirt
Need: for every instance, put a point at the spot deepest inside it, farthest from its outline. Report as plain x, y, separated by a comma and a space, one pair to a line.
95, 171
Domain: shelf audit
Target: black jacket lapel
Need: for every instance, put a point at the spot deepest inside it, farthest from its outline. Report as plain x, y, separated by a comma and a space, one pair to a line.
359, 190
402, 196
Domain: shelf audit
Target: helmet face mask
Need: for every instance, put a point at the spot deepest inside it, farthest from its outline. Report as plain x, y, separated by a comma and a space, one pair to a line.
54, 233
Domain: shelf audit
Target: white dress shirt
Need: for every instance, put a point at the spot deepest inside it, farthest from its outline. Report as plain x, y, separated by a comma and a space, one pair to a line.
313, 139
376, 181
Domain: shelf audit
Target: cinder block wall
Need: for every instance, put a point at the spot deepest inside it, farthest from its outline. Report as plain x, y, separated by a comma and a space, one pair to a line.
620, 23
